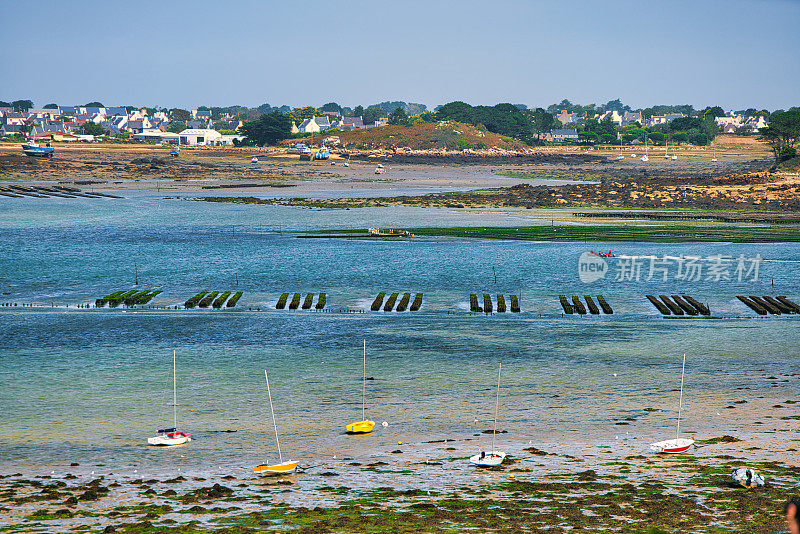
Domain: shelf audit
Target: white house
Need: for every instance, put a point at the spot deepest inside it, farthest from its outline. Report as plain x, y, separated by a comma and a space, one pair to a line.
200, 136
309, 126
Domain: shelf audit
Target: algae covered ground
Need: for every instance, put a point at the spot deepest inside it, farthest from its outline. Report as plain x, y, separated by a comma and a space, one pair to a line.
672, 233
537, 492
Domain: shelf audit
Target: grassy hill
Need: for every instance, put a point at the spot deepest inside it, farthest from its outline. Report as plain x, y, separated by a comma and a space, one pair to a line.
427, 136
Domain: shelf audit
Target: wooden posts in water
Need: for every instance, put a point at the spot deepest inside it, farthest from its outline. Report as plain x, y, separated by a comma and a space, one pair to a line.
403, 304
321, 300
604, 305
308, 301
473, 303
295, 301
752, 305
234, 299
390, 302
778, 304
657, 303
417, 302
501, 304
674, 308
206, 301
699, 306
192, 302
685, 306
591, 305
679, 305
514, 304
568, 309
376, 304
578, 305
282, 301
789, 303
766, 305
487, 303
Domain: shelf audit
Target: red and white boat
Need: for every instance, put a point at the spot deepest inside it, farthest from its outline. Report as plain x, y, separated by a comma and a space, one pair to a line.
679, 444
672, 446
171, 436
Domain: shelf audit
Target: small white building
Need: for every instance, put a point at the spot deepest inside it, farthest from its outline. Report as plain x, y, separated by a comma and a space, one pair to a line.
200, 136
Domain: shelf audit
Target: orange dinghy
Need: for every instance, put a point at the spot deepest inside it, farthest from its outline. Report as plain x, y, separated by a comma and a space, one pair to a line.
281, 468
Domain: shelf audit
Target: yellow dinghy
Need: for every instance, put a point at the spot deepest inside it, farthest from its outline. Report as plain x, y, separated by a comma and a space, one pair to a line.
282, 468
361, 427
286, 468
365, 426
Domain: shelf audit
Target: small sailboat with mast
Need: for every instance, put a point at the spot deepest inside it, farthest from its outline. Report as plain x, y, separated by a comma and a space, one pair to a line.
679, 444
171, 436
365, 426
492, 458
281, 468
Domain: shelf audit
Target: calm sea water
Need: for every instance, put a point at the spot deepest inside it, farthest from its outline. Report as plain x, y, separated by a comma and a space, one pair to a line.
91, 385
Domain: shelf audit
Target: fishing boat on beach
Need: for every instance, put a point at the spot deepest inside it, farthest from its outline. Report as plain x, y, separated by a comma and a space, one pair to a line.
171, 436
365, 426
679, 444
32, 148
281, 468
492, 458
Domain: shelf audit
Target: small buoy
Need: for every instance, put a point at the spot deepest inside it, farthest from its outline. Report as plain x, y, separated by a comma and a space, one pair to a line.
385, 424
399, 442
510, 476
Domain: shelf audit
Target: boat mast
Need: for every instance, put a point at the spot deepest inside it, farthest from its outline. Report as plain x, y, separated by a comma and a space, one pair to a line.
174, 394
680, 402
496, 406
364, 386
269, 393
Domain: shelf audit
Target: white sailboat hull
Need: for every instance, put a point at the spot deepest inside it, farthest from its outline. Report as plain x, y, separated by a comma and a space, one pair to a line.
173, 438
488, 459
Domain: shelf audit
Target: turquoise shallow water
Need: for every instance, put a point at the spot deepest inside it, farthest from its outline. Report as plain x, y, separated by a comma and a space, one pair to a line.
91, 385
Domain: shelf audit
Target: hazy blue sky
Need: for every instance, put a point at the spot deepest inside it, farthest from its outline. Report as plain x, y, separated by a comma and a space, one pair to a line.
733, 53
